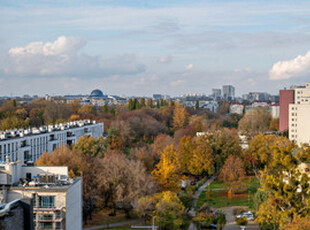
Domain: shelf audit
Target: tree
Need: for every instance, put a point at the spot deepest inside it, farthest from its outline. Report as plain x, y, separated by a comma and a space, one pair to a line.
223, 107
112, 111
21, 114
142, 102
123, 181
197, 104
202, 160
255, 121
87, 110
233, 173
167, 173
220, 219
149, 103
261, 149
79, 164
224, 142
179, 117
74, 117
169, 211
145, 206
298, 223
105, 109
11, 123
287, 185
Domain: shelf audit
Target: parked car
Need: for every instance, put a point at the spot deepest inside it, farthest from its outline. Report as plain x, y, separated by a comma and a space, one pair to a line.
249, 215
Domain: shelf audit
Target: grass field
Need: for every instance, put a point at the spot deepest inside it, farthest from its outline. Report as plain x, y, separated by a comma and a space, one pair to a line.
218, 195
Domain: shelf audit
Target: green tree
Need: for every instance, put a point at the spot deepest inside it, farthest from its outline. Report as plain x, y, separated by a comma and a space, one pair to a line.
105, 109
169, 211
142, 102
197, 104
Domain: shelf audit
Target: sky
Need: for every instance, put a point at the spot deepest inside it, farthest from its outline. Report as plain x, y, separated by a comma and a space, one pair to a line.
143, 47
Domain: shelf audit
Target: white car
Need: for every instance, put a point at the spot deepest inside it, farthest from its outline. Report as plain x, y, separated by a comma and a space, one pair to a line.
249, 215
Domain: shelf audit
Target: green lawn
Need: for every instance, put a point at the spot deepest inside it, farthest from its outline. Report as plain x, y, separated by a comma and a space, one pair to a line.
218, 195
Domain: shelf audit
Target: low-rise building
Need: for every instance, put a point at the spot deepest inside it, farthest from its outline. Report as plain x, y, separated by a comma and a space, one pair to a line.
56, 199
236, 108
29, 144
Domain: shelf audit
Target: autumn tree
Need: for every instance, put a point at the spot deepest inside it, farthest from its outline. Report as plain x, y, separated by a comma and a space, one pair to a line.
223, 107
255, 121
145, 206
142, 102
149, 103
202, 160
287, 185
180, 117
81, 162
167, 174
261, 149
298, 223
169, 211
86, 110
11, 123
224, 142
123, 181
233, 173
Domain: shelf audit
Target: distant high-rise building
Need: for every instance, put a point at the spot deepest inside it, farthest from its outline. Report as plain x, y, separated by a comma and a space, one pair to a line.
286, 98
216, 93
228, 92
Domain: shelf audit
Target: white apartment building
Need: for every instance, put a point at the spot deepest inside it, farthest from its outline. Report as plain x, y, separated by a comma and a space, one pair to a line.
236, 108
56, 199
28, 144
299, 115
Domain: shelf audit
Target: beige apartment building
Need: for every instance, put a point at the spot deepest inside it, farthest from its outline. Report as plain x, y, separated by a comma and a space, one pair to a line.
299, 115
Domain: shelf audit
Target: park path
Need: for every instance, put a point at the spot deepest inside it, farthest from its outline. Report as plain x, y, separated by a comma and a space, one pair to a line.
231, 224
129, 222
192, 212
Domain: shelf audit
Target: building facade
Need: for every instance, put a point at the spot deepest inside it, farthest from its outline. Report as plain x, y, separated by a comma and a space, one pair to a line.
29, 144
228, 92
56, 199
299, 115
286, 98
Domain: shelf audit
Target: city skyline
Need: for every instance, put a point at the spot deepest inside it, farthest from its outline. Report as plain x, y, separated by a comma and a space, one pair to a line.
141, 48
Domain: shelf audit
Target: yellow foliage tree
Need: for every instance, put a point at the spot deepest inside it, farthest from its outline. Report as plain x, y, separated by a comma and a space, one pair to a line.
180, 117
167, 172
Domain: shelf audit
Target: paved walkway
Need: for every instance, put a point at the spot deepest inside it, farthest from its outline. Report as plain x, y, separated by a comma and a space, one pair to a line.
192, 212
231, 224
129, 222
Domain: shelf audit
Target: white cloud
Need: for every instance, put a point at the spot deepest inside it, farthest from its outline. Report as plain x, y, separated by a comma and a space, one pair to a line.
296, 67
164, 59
62, 58
189, 66
177, 82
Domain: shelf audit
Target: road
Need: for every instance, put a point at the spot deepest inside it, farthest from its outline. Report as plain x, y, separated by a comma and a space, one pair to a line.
192, 212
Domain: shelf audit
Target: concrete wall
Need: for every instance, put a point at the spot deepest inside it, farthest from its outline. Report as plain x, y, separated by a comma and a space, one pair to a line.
74, 214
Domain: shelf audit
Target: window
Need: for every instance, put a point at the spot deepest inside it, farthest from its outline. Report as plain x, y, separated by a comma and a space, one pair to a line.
44, 225
46, 217
34, 200
47, 201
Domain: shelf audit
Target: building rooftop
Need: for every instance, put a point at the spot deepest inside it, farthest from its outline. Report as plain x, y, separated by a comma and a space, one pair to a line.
18, 133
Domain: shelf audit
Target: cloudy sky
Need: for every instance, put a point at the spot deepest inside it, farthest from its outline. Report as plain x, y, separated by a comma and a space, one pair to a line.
141, 47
